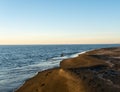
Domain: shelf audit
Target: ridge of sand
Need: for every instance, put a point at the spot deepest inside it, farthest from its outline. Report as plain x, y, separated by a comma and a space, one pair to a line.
54, 80
94, 71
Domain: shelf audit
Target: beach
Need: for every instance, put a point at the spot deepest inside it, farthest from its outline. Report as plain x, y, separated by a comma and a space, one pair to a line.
94, 71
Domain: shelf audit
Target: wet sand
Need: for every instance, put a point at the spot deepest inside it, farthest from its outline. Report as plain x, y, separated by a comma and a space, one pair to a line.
94, 71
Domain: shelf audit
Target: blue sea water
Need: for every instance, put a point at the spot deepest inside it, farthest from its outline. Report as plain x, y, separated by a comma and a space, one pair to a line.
21, 62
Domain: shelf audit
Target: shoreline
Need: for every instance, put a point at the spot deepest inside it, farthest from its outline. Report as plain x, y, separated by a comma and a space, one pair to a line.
73, 67
76, 55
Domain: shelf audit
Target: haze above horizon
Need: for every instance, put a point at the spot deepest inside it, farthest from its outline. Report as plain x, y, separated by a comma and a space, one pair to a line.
59, 21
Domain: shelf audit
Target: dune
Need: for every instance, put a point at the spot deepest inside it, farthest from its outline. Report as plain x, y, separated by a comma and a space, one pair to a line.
93, 71
53, 80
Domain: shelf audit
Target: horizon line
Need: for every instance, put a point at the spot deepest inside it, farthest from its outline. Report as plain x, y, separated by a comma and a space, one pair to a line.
68, 44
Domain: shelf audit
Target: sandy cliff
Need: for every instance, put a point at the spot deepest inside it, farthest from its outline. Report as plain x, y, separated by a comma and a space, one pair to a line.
94, 71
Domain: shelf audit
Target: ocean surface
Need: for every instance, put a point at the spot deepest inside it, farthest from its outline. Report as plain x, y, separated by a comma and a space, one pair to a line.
21, 62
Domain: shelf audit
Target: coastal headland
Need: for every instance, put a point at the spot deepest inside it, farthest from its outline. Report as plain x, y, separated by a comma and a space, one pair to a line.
93, 71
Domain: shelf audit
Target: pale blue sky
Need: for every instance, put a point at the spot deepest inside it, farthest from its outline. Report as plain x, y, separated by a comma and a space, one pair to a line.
59, 21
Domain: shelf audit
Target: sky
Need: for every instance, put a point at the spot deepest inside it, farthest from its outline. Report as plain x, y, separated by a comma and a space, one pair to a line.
59, 21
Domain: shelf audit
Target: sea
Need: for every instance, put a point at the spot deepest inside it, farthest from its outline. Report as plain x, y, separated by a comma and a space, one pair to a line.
21, 62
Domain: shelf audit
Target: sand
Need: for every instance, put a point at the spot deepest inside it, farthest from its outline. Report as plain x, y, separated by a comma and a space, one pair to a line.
94, 71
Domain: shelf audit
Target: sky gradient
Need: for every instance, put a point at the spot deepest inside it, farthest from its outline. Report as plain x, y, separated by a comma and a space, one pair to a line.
59, 21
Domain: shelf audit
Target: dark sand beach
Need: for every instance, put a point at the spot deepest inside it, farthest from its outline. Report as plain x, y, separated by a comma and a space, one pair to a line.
93, 71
